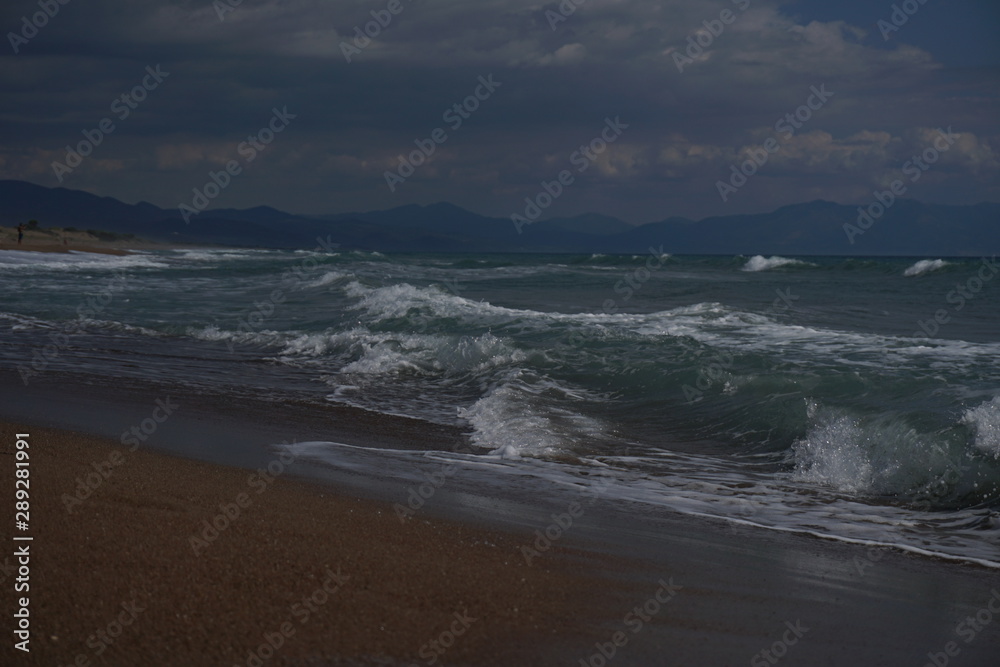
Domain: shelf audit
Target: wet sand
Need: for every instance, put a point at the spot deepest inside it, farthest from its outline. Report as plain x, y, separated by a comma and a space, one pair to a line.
329, 578
745, 594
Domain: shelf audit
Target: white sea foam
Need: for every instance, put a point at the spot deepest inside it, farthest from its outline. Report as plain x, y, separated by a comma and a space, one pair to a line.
710, 323
391, 353
19, 322
837, 452
261, 338
880, 455
403, 300
397, 301
985, 422
691, 484
925, 266
531, 416
761, 263
211, 255
327, 278
20, 260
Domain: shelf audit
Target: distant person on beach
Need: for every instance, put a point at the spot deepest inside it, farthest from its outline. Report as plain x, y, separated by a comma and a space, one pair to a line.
20, 233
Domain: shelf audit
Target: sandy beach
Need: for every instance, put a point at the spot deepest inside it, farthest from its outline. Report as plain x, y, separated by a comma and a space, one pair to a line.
59, 240
319, 577
740, 592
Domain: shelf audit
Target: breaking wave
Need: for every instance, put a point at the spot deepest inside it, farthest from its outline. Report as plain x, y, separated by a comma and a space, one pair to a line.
761, 263
925, 266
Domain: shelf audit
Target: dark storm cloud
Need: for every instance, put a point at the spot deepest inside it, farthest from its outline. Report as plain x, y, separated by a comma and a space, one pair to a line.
606, 59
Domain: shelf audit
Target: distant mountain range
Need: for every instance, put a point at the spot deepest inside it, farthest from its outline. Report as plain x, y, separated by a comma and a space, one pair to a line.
907, 228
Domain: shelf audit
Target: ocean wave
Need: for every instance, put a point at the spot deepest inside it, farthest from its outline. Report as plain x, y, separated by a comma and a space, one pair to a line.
213, 333
363, 353
528, 415
713, 324
21, 322
327, 278
405, 300
692, 485
212, 255
116, 326
382, 353
21, 260
79, 324
925, 266
761, 263
423, 305
885, 455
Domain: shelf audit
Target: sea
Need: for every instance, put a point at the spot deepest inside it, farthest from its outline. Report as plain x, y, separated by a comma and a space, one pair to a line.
852, 399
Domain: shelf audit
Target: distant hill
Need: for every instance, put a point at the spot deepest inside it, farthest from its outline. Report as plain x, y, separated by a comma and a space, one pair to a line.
815, 228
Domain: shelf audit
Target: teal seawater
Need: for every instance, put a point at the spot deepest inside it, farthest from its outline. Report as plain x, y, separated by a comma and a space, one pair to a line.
855, 398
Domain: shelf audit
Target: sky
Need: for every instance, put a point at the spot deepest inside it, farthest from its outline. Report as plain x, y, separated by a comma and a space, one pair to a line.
641, 110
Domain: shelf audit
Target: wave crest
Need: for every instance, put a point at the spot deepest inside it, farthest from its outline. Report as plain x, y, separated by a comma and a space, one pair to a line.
532, 416
925, 266
761, 263
883, 455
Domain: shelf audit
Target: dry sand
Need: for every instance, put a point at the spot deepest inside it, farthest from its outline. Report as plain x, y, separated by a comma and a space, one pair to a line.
129, 543
56, 239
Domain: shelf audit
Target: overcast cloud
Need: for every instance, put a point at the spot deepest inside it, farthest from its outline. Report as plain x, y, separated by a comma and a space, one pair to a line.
222, 78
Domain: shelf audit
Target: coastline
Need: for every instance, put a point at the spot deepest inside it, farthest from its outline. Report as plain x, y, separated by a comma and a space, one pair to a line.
211, 563
739, 587
59, 240
111, 249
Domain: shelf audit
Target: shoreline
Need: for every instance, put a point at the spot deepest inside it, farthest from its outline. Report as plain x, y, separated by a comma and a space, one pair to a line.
738, 586
52, 248
221, 562
60, 240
